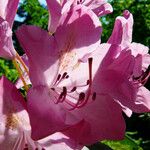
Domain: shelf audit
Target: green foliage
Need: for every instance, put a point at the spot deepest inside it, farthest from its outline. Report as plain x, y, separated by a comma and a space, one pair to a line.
126, 144
7, 69
34, 13
141, 13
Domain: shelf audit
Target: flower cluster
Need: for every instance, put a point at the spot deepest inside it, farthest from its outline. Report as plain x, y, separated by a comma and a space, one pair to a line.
79, 87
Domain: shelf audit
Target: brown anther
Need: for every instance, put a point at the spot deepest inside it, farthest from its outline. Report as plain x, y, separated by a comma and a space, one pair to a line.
58, 77
73, 89
53, 89
67, 76
88, 82
81, 96
61, 95
90, 60
78, 2
94, 96
64, 75
64, 90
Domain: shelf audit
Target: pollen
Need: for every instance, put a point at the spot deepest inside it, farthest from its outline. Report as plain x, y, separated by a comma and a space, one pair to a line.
12, 121
68, 60
68, 57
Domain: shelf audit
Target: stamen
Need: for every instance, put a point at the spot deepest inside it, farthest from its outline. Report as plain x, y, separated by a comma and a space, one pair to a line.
26, 147
81, 96
94, 96
22, 63
90, 60
64, 75
58, 77
67, 76
61, 77
53, 89
62, 96
145, 76
78, 2
64, 90
88, 82
20, 74
73, 89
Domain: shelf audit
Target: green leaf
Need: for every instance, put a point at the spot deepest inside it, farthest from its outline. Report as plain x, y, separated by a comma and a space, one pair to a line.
126, 144
7, 69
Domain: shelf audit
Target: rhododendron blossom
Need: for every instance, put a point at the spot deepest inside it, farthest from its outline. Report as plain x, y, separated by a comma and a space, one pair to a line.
72, 78
72, 89
137, 77
99, 7
15, 126
8, 10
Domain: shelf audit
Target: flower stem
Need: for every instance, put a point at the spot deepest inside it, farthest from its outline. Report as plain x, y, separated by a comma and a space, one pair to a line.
20, 74
22, 63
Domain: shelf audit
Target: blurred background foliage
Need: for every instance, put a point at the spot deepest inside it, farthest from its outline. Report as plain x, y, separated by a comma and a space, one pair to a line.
138, 126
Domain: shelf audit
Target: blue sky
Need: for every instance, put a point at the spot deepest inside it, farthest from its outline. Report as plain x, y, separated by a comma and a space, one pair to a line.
17, 18
42, 2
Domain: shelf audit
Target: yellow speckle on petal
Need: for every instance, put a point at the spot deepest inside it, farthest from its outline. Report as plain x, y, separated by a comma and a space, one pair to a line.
68, 57
12, 121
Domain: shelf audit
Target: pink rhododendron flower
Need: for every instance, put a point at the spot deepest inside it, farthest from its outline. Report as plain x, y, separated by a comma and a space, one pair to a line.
122, 36
15, 127
8, 10
58, 7
62, 77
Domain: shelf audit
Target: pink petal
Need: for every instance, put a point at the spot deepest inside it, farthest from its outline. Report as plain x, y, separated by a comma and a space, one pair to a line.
113, 77
80, 75
100, 122
122, 32
6, 44
137, 71
100, 7
142, 103
14, 119
50, 117
139, 50
55, 13
41, 52
15, 127
66, 40
8, 9
59, 141
79, 31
